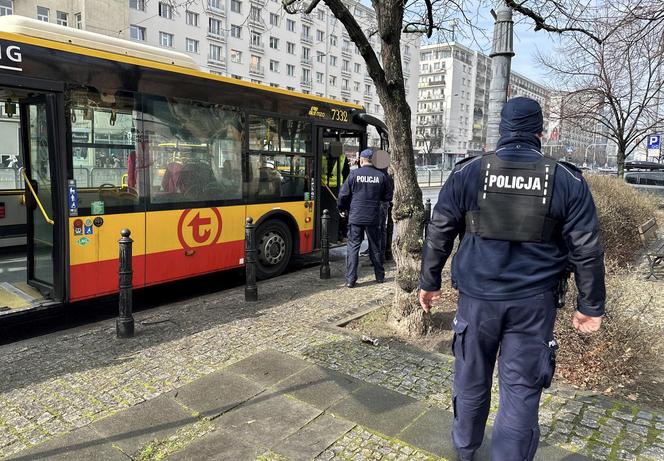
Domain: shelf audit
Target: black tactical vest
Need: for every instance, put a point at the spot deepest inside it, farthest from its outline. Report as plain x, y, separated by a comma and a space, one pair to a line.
514, 200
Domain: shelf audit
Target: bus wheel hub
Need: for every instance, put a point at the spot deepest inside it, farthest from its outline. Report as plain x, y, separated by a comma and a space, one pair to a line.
273, 248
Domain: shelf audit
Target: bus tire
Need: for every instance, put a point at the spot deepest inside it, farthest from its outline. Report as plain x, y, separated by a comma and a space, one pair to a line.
274, 244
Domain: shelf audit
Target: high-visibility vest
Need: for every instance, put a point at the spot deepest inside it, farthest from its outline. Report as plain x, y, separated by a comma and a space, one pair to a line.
331, 179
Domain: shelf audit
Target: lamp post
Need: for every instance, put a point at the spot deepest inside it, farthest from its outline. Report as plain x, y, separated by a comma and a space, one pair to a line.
585, 158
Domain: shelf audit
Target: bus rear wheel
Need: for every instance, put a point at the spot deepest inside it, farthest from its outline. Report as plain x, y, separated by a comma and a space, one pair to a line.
275, 247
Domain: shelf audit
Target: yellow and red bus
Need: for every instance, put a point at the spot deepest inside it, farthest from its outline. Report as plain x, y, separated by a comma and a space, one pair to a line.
112, 134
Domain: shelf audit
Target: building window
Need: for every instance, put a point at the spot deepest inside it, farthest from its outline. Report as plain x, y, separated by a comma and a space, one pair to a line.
166, 39
274, 19
320, 56
290, 88
165, 10
333, 80
306, 75
320, 36
79, 20
42, 13
357, 67
192, 18
274, 43
345, 84
356, 86
214, 4
345, 65
320, 77
137, 33
256, 38
236, 31
137, 5
192, 45
333, 61
236, 6
236, 77
214, 27
236, 56
216, 53
290, 47
274, 85
290, 70
321, 14
255, 14
306, 53
290, 25
6, 7
333, 40
62, 18
274, 65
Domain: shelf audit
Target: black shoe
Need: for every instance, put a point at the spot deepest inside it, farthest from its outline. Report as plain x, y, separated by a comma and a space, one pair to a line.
380, 280
350, 285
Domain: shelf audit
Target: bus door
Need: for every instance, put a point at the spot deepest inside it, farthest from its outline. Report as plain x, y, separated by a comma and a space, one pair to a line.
338, 149
39, 172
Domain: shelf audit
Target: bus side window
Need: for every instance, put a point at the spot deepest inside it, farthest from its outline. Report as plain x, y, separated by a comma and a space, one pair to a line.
104, 149
195, 150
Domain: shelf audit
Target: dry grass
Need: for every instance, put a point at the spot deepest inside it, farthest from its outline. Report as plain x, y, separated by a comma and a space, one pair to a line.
621, 210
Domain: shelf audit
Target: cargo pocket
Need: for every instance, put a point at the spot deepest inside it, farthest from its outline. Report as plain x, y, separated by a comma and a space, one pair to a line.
548, 363
459, 340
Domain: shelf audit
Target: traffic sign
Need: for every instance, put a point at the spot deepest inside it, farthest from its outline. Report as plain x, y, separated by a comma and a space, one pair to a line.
653, 141
569, 149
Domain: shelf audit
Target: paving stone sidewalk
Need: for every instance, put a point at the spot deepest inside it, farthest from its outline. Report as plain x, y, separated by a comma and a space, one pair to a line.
74, 383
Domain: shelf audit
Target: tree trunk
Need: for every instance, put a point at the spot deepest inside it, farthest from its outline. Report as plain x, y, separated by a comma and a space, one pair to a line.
620, 161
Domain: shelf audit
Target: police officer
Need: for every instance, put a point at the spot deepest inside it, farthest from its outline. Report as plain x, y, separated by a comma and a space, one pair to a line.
522, 218
361, 194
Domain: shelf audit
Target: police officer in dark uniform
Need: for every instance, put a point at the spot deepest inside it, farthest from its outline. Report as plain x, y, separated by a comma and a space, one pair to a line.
361, 194
523, 219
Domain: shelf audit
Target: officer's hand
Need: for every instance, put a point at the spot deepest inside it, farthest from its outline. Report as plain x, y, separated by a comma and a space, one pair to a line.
427, 297
585, 323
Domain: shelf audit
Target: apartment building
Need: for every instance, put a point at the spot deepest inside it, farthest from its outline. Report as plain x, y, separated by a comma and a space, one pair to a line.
108, 17
453, 101
257, 40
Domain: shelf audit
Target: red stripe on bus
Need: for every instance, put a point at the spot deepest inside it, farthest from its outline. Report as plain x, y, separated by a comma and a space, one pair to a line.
306, 241
101, 278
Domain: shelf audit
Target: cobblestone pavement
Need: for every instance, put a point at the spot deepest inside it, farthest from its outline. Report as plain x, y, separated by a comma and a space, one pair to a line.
56, 383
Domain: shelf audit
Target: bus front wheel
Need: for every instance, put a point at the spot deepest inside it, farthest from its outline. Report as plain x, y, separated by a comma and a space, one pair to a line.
274, 243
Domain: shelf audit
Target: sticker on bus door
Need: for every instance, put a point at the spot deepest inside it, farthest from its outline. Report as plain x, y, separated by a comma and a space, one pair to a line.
72, 198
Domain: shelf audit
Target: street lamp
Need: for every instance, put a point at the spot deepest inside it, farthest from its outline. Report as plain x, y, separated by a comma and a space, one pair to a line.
585, 158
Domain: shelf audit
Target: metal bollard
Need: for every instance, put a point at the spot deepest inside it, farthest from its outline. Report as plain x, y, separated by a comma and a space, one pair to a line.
250, 289
124, 326
427, 216
325, 246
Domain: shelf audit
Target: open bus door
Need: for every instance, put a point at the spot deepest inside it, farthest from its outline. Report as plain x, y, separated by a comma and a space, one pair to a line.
40, 144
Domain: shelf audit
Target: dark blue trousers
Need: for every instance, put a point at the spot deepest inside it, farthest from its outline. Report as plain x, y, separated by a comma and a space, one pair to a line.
355, 238
522, 331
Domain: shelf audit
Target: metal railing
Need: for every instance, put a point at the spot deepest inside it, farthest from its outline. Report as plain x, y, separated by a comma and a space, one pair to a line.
432, 178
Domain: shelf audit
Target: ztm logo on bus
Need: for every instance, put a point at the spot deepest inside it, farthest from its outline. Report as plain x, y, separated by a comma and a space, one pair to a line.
200, 227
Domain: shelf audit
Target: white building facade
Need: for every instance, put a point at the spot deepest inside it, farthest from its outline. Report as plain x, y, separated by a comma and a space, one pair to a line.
257, 40
453, 101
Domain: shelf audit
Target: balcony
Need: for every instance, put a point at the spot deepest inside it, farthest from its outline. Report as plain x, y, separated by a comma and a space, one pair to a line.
406, 57
346, 72
368, 96
256, 21
307, 18
345, 91
347, 52
257, 69
306, 83
216, 61
257, 47
307, 61
219, 37
308, 39
218, 11
367, 77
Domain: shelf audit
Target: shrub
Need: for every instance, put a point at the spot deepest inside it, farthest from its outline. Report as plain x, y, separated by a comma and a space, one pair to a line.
621, 209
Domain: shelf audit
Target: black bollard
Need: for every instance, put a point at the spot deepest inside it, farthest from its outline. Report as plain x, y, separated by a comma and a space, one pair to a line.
390, 232
427, 216
325, 246
124, 326
250, 289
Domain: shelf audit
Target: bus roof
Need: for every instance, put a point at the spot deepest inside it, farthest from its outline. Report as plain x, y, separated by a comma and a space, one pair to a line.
29, 27
98, 45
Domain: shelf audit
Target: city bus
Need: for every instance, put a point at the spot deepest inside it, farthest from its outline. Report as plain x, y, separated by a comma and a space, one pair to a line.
101, 134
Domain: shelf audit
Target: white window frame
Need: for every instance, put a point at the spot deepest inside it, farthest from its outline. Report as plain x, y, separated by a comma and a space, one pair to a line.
138, 5
165, 11
235, 28
62, 18
195, 48
7, 9
239, 6
193, 18
140, 31
44, 14
217, 55
170, 39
